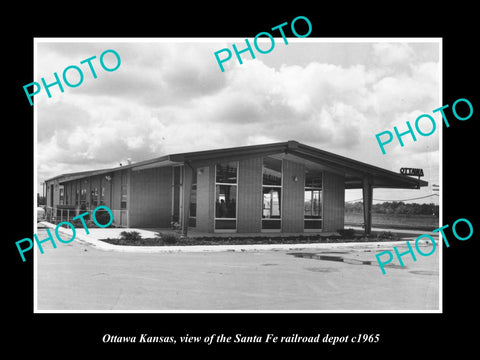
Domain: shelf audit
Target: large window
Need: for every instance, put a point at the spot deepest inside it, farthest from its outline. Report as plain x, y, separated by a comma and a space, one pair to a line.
83, 194
61, 195
77, 193
102, 191
272, 194
313, 200
94, 197
102, 195
123, 196
226, 196
193, 200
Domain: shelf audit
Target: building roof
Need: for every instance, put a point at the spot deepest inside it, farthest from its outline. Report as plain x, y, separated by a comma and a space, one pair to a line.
354, 171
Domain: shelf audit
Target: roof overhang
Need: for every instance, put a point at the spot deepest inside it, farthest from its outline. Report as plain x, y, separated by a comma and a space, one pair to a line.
78, 175
355, 172
156, 164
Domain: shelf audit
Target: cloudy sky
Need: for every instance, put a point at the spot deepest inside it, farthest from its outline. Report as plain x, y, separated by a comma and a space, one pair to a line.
169, 96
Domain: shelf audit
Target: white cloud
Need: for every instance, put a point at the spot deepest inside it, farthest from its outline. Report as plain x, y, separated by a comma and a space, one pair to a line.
393, 53
168, 98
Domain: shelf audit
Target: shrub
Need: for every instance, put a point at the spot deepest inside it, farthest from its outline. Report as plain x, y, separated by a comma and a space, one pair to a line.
130, 235
102, 216
169, 239
386, 235
347, 233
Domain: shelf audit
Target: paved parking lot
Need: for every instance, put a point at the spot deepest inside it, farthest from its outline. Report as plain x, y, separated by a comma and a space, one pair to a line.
77, 276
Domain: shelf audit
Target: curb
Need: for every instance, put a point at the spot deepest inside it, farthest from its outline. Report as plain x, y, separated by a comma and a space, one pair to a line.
100, 245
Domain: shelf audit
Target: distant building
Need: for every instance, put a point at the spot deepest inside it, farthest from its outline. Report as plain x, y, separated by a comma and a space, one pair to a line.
281, 187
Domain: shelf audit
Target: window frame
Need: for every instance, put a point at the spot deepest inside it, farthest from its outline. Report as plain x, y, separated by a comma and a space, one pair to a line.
279, 219
94, 198
123, 185
321, 217
215, 218
61, 194
83, 193
192, 220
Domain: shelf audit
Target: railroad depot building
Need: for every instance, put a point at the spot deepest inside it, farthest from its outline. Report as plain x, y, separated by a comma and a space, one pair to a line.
283, 187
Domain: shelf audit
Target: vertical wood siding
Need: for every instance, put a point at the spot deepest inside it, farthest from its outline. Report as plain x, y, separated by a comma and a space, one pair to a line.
176, 181
203, 199
211, 208
67, 188
116, 189
249, 217
108, 189
293, 196
150, 197
56, 193
333, 201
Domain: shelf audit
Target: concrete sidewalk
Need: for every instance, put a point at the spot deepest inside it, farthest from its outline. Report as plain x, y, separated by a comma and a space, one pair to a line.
95, 234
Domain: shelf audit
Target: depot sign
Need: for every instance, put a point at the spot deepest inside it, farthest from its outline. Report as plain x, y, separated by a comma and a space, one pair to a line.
411, 171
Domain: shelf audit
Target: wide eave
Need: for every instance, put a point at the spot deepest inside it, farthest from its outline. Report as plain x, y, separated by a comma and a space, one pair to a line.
355, 172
